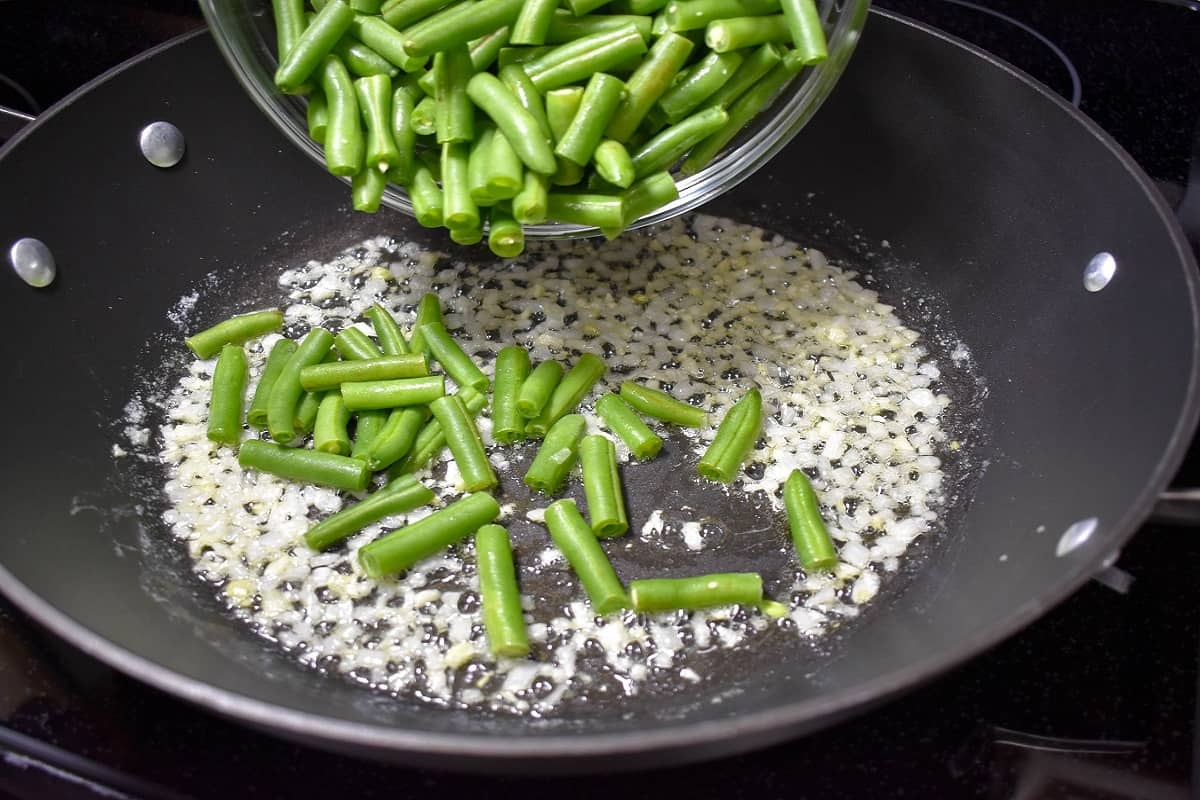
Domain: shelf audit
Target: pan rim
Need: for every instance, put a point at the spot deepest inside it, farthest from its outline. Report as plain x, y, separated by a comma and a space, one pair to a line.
690, 740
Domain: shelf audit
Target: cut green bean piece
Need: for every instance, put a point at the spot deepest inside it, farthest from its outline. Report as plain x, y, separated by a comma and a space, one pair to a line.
661, 405
598, 210
648, 83
629, 427
510, 56
424, 117
753, 68
361, 60
561, 107
314, 44
533, 22
285, 394
813, 543
452, 69
579, 544
504, 173
687, 15
602, 486
529, 206
477, 165
512, 368
363, 395
574, 386
519, 126
566, 27
367, 425
235, 330
649, 194
581, 7
465, 445
459, 25
735, 438
596, 108
329, 430
309, 466
427, 200
500, 596
344, 143
460, 210
506, 237
374, 95
385, 40
557, 455
401, 495
366, 190
536, 390
642, 7
427, 81
614, 164
429, 309
572, 62
403, 135
317, 116
735, 33
366, 6
228, 395
432, 440
486, 49
470, 235
402, 14
402, 548
454, 360
355, 345
278, 357
397, 438
804, 24
306, 412
710, 74
391, 338
319, 377
290, 23
673, 143
701, 591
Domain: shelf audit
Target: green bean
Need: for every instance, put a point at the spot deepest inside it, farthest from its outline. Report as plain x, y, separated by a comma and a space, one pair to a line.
374, 96
649, 194
465, 445
500, 596
367, 425
403, 548
366, 6
306, 412
391, 338
505, 174
427, 82
641, 7
519, 126
572, 62
648, 83
533, 22
317, 115
519, 56
310, 466
772, 609
581, 7
753, 68
285, 394
456, 116
404, 137
366, 190
362, 395
486, 49
735, 438
397, 438
602, 486
235, 330
529, 206
735, 33
596, 108
557, 455
313, 45
278, 357
536, 390
573, 387
354, 345
401, 14
629, 427
566, 27
470, 235
659, 26
598, 210
329, 430
511, 370
506, 237
709, 75
477, 161
687, 15
673, 143
749, 105
385, 40
614, 164
361, 60
661, 405
344, 145
456, 363
431, 440
561, 107
401, 495
461, 211
290, 23
228, 394
424, 117
804, 25
426, 196
581, 547
459, 25
319, 377
429, 309
809, 535
701, 591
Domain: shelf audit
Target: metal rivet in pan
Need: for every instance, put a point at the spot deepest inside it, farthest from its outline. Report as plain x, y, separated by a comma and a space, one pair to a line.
162, 144
33, 261
1076, 535
1099, 271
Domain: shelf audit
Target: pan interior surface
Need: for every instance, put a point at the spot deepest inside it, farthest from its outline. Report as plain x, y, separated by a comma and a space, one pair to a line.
992, 215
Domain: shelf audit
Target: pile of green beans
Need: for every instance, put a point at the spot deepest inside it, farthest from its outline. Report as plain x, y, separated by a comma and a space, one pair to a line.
497, 114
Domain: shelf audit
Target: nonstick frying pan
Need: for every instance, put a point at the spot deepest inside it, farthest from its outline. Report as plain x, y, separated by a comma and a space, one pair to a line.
993, 195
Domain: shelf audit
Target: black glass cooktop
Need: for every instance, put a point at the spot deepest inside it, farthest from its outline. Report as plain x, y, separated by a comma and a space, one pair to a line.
1098, 700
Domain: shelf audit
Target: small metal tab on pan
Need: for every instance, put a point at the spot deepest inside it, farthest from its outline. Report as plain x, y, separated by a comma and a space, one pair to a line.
162, 144
1099, 271
1076, 535
33, 261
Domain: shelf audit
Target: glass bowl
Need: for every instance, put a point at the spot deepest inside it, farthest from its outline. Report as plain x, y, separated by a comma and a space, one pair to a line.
245, 33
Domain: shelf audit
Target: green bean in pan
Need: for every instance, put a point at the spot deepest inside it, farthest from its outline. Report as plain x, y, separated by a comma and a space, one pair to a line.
366, 190
319, 377
511, 370
619, 418
290, 23
374, 95
391, 338
519, 126
649, 194
424, 117
614, 164
361, 60
385, 40
432, 439
533, 22
578, 59
661, 405
452, 69
701, 591
314, 44
569, 392
397, 438
648, 83
736, 33
401, 495
804, 23
710, 74
557, 455
529, 204
354, 345
367, 425
809, 534
457, 364
598, 210
281, 351
760, 62
429, 309
596, 108
536, 390
285, 394
566, 27
317, 115
344, 145
329, 430
401, 14
735, 438
582, 549
306, 412
500, 596
308, 466
486, 49
459, 25
506, 237
602, 486
672, 144
235, 330
402, 548
362, 395
687, 15
427, 200
465, 445
228, 394
504, 173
